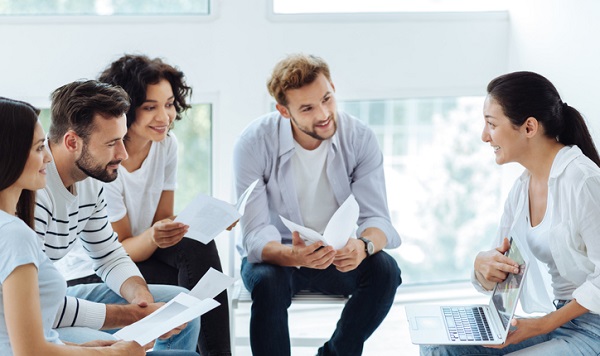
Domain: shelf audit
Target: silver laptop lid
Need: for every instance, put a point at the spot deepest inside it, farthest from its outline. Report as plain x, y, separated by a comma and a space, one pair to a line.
506, 293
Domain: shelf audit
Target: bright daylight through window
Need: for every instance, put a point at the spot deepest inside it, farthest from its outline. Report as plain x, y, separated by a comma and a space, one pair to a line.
384, 6
104, 7
443, 184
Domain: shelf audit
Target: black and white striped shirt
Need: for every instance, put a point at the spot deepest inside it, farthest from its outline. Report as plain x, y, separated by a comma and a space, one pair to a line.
64, 220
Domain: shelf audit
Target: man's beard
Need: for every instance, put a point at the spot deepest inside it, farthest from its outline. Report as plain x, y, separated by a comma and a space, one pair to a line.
86, 163
313, 133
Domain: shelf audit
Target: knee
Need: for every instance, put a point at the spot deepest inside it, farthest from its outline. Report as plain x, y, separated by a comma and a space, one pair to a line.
385, 268
268, 281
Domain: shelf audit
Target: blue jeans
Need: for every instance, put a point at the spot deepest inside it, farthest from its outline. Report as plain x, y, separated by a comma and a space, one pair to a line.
187, 339
580, 336
372, 285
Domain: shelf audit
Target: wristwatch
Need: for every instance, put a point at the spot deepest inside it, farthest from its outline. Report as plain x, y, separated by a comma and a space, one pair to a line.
369, 247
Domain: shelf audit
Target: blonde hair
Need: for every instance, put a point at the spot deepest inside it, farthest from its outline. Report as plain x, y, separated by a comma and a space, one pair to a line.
294, 72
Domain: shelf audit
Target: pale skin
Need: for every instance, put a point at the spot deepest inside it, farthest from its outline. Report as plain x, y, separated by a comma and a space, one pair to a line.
312, 112
528, 146
20, 289
106, 144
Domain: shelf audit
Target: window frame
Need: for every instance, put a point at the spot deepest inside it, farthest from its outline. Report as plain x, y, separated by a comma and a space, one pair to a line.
499, 15
213, 15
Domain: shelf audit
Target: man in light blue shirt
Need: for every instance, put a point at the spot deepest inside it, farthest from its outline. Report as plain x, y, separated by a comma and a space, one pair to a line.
309, 158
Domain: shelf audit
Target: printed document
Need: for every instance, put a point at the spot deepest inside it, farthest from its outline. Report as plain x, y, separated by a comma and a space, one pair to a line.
181, 309
208, 216
338, 230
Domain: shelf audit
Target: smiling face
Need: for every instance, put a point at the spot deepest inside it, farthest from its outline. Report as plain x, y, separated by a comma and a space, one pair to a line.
34, 172
154, 117
509, 142
104, 149
312, 110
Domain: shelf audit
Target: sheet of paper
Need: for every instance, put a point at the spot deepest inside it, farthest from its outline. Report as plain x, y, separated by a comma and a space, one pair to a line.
208, 216
176, 312
211, 284
243, 199
339, 228
341, 225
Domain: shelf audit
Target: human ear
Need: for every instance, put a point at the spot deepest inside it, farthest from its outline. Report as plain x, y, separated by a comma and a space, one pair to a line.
71, 141
531, 126
283, 111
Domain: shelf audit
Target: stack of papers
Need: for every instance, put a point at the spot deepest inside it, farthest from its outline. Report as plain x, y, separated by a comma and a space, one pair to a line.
207, 217
339, 228
179, 310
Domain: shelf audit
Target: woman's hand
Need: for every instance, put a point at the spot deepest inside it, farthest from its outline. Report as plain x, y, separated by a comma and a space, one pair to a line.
166, 232
493, 266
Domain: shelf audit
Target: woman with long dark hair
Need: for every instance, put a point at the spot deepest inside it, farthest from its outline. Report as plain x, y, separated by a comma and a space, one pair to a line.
554, 211
32, 288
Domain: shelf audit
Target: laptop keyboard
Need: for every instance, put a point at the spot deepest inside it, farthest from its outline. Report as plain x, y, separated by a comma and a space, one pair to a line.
467, 324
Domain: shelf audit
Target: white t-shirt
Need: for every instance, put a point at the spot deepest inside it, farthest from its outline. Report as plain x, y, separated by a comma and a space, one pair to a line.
19, 245
137, 193
538, 239
315, 196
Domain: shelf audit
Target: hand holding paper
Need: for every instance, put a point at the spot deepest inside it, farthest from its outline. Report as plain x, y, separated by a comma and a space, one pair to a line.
207, 217
338, 230
180, 310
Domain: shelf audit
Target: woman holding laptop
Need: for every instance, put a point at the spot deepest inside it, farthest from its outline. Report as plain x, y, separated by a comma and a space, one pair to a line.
554, 208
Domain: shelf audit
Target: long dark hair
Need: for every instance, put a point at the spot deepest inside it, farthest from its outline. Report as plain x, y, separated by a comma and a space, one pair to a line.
526, 94
17, 126
135, 72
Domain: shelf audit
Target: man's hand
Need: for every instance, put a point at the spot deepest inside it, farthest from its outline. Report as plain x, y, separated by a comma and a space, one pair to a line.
314, 255
121, 315
493, 266
350, 256
166, 232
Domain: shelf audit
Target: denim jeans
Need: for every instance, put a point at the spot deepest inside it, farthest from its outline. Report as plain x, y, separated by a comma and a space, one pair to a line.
100, 293
580, 336
372, 286
183, 265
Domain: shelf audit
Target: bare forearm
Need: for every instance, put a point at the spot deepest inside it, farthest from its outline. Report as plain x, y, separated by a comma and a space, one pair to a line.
278, 254
376, 236
119, 316
565, 314
140, 247
135, 290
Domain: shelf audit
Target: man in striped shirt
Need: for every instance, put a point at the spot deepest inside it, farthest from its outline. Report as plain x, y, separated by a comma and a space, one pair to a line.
86, 141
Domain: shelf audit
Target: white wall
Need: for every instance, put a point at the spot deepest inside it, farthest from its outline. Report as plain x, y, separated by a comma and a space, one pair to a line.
229, 58
559, 39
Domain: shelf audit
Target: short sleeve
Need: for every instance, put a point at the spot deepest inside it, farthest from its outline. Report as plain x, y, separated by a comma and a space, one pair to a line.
115, 200
19, 245
171, 162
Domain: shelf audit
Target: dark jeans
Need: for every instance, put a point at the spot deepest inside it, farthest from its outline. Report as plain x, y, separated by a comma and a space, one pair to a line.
183, 265
372, 286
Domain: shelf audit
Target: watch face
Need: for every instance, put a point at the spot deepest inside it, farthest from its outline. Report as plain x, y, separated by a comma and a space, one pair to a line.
370, 248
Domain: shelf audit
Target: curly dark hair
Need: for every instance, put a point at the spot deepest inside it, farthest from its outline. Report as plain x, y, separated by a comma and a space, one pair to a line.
134, 73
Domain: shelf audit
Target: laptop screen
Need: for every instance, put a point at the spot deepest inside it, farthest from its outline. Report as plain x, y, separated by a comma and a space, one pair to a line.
506, 293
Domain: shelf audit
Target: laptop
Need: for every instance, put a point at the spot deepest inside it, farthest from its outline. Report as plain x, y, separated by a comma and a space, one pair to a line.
471, 324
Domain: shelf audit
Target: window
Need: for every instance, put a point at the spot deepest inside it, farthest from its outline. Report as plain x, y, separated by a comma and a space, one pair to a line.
194, 134
384, 6
104, 7
442, 182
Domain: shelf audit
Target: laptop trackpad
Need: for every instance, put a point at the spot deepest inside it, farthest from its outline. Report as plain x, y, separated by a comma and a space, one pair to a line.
428, 322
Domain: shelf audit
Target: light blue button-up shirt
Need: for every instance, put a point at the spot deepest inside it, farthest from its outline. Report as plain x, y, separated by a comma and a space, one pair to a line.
354, 166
